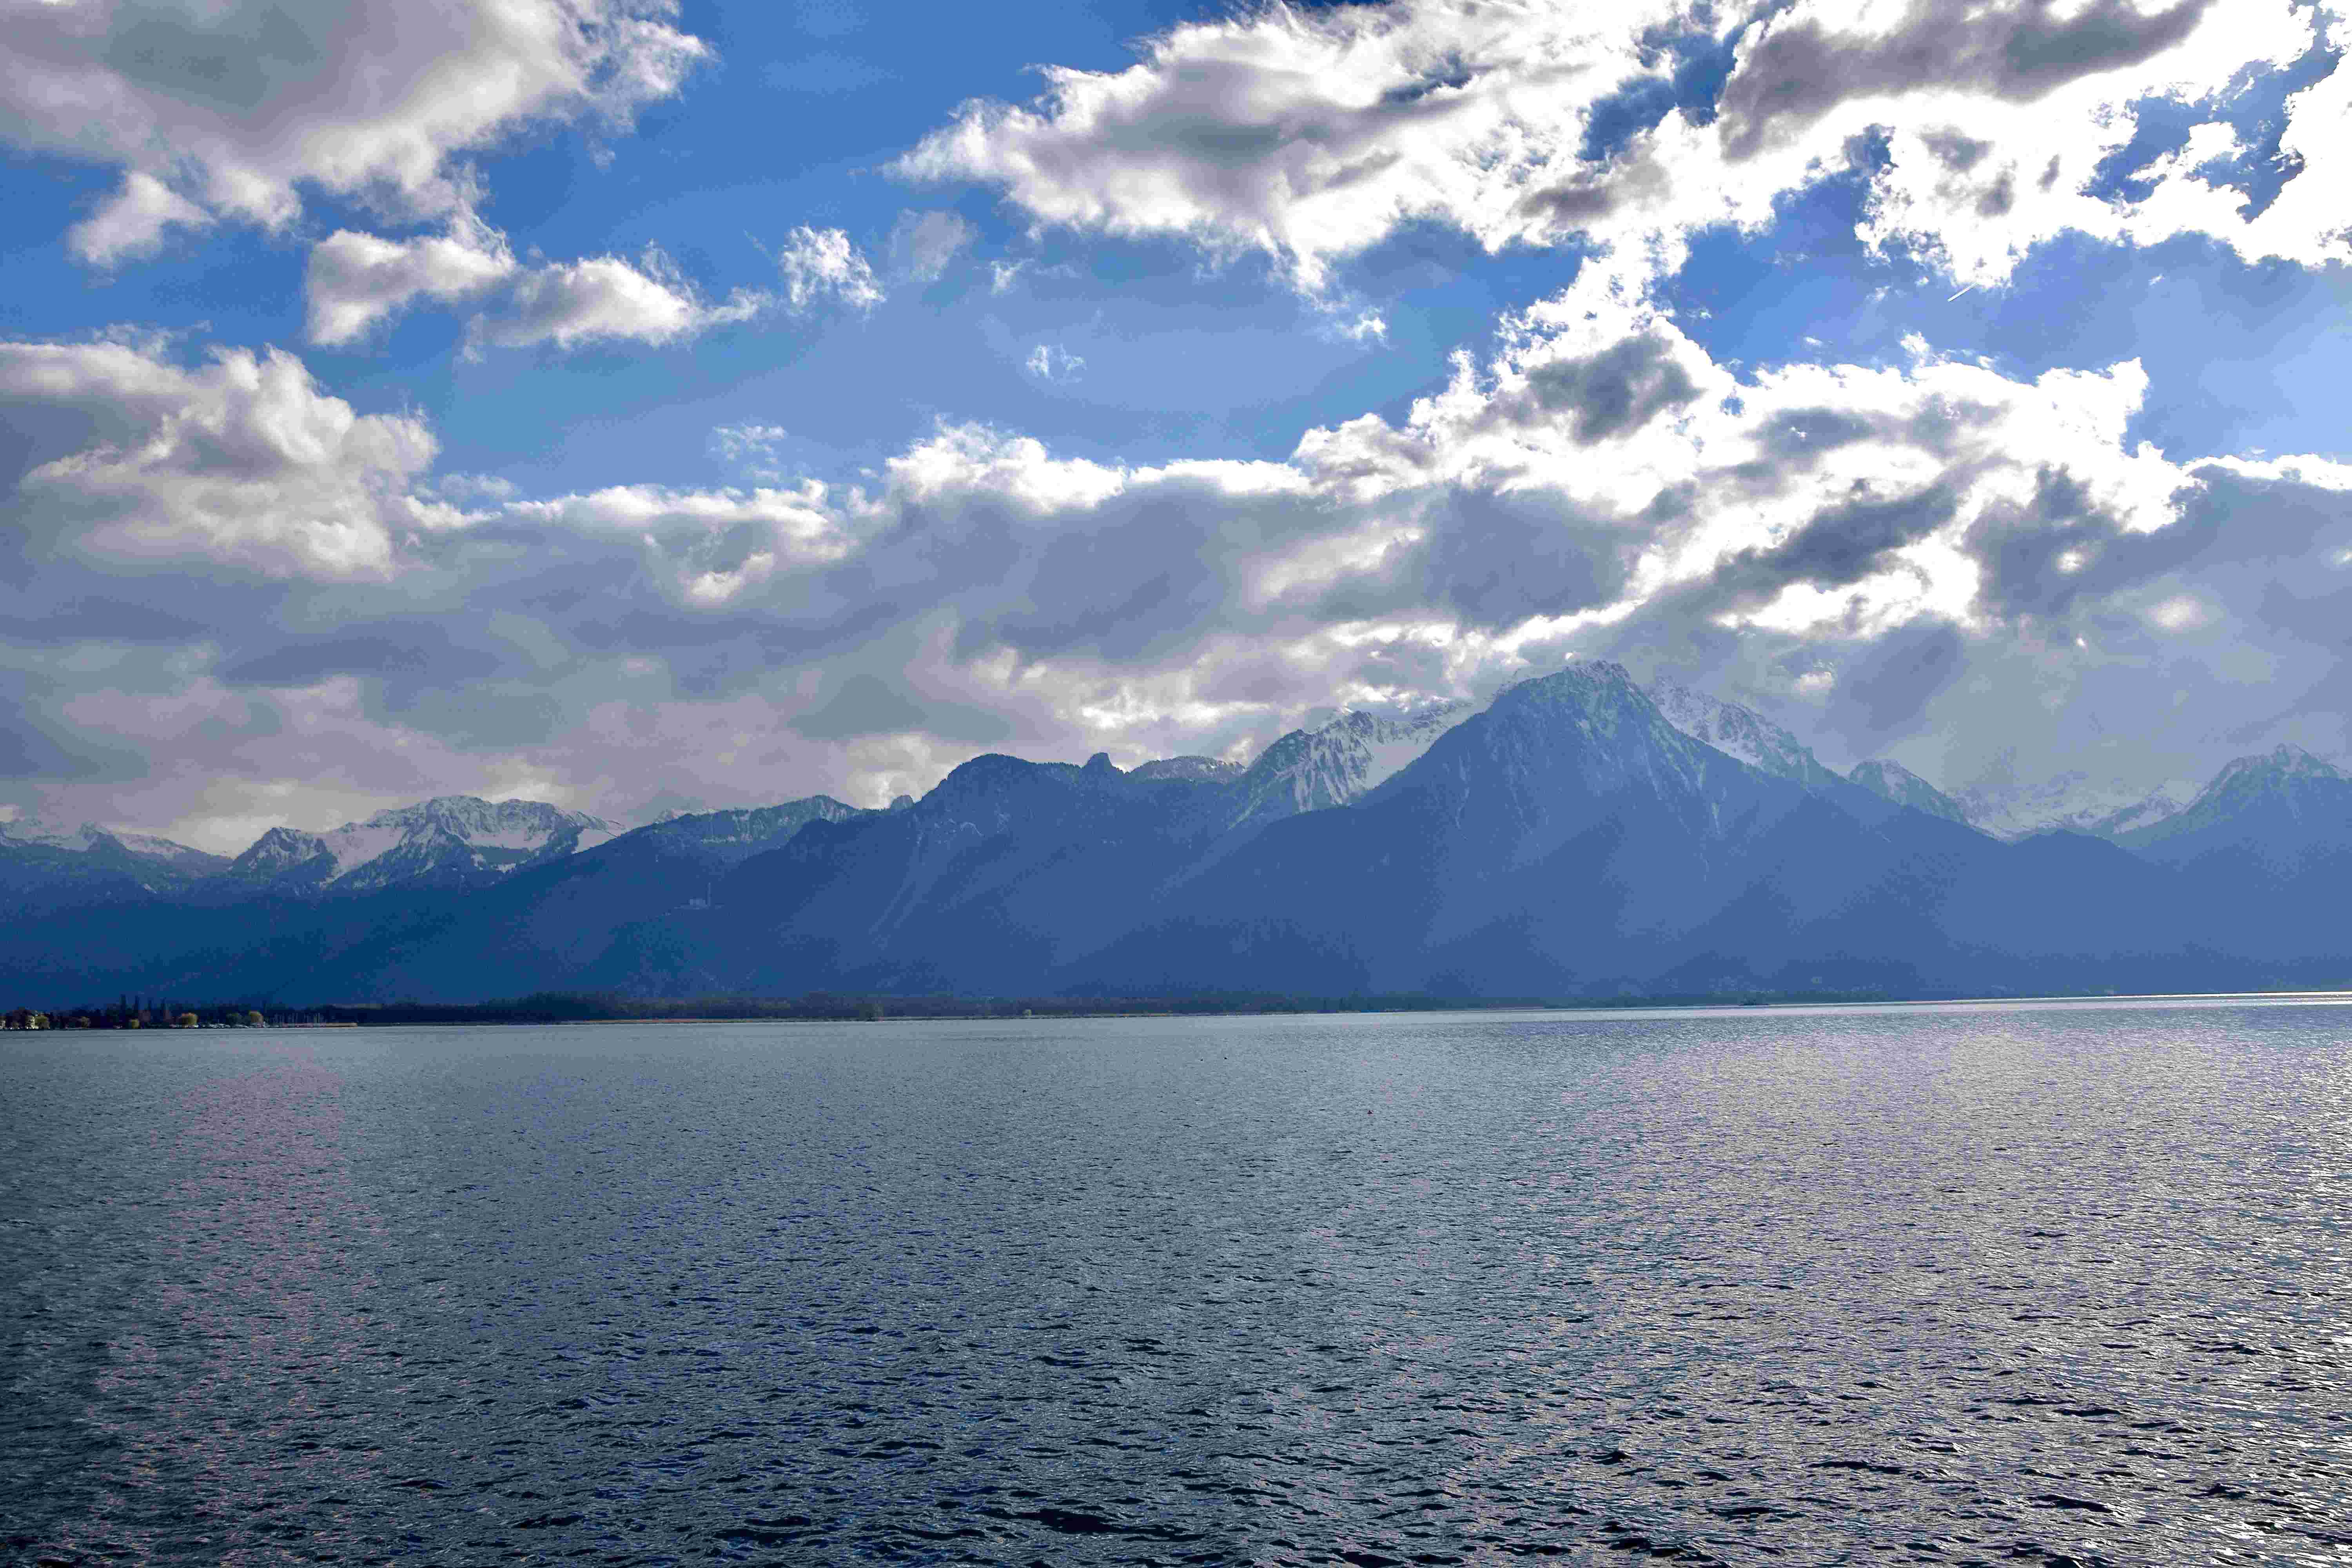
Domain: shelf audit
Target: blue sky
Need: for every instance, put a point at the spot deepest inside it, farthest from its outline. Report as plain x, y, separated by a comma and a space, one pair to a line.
637, 405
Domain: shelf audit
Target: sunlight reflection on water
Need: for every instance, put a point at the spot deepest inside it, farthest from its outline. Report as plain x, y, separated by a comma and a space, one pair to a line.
1951, 1284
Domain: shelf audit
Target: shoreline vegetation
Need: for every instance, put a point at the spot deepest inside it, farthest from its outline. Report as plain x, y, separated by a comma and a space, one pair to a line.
568, 1007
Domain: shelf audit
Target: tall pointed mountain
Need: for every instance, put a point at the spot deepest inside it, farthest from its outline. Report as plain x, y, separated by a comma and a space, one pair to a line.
1567, 838
2262, 855
2284, 808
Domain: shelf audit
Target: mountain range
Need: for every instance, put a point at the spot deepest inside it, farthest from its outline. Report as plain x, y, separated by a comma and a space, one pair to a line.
1578, 836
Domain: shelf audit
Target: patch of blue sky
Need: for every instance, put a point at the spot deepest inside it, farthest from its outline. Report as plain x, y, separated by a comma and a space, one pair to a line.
716, 178
1688, 73
2236, 353
2255, 107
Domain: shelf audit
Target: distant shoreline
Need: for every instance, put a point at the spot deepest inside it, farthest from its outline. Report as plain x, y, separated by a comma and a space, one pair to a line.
523, 1011
826, 1008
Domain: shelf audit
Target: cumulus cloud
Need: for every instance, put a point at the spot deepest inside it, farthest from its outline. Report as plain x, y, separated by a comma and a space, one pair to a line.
818, 263
240, 460
133, 220
232, 110
605, 298
709, 547
357, 280
1311, 136
1931, 557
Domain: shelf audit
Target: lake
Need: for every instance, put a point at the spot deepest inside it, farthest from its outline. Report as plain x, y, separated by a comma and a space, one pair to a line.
1998, 1283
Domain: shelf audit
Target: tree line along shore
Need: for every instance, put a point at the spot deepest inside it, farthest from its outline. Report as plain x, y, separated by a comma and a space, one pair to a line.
144, 1013
822, 1007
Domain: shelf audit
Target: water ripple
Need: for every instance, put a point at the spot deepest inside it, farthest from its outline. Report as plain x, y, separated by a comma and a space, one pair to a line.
1949, 1286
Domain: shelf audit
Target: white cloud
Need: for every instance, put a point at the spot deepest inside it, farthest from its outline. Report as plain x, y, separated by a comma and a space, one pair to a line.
923, 244
133, 220
1312, 136
1928, 551
1051, 361
709, 547
357, 280
818, 262
606, 299
231, 109
242, 460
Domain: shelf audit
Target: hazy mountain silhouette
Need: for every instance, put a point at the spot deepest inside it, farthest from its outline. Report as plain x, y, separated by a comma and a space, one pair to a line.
1574, 838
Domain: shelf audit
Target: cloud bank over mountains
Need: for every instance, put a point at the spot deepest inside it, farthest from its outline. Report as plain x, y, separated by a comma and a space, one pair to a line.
245, 589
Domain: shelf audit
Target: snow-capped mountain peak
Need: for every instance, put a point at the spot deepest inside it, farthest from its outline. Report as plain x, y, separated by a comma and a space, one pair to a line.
452, 838
1192, 769
1739, 731
72, 841
2074, 802
1341, 761
2282, 764
90, 837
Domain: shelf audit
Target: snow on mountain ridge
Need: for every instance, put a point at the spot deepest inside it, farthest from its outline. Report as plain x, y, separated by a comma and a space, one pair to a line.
1192, 769
2165, 802
1342, 761
1738, 732
2280, 763
1900, 784
2073, 802
450, 835
89, 835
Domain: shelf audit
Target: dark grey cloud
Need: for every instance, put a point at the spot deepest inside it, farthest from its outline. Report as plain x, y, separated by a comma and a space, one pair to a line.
1796, 71
231, 60
1956, 152
424, 650
1804, 435
29, 748
41, 616
488, 716
866, 704
1613, 393
1132, 578
1886, 692
1839, 545
2061, 550
1794, 442
1495, 560
38, 742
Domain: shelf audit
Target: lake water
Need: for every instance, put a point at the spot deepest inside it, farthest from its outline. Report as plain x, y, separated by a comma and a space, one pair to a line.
1950, 1285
